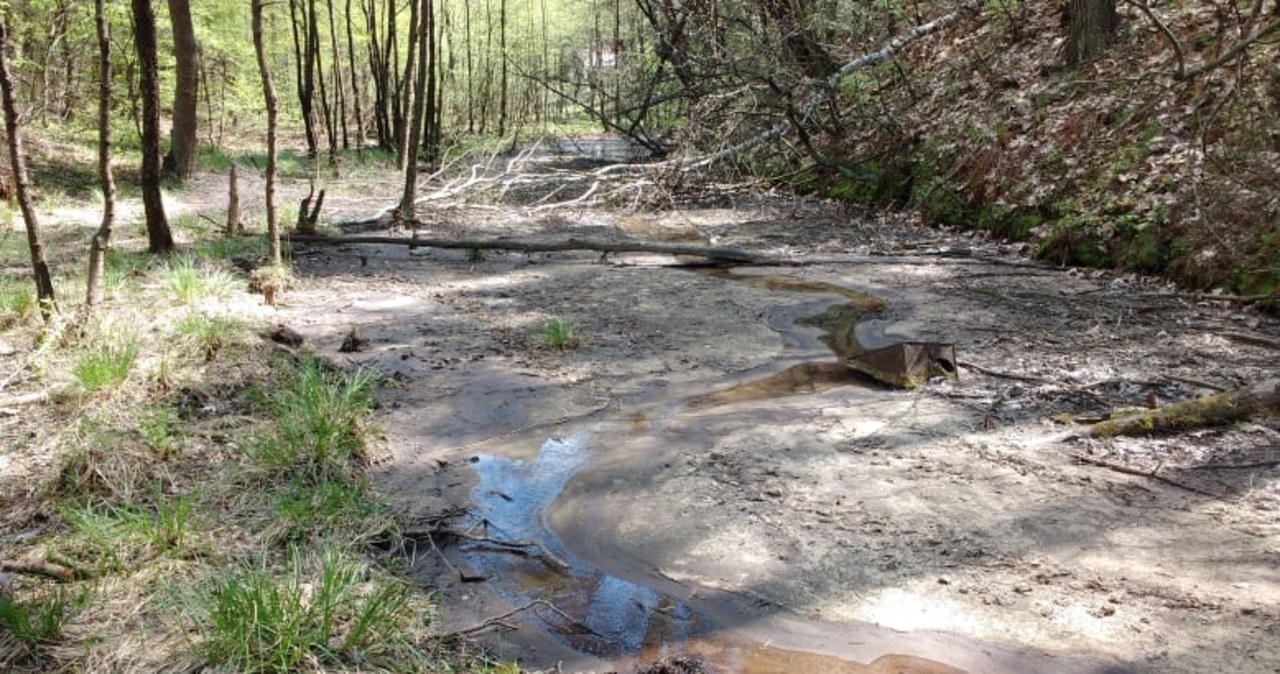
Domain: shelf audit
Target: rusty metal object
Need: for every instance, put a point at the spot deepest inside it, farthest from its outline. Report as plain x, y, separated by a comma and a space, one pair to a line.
906, 364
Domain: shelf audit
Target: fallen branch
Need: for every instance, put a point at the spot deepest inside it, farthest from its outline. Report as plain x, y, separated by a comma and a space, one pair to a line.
58, 572
1239, 466
1259, 399
518, 548
500, 621
532, 246
1153, 474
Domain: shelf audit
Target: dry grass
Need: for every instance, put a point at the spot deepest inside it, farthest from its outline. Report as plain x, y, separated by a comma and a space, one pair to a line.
132, 455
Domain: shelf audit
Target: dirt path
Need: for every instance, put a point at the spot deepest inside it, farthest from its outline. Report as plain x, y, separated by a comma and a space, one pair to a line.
827, 518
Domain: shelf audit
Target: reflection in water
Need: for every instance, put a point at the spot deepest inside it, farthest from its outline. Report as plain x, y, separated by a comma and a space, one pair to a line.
608, 615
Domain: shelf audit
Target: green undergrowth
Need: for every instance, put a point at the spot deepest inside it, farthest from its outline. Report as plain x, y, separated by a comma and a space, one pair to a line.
195, 491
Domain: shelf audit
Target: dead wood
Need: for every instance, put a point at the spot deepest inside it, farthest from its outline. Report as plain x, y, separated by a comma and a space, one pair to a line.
1153, 474
1259, 399
58, 572
518, 548
717, 253
1254, 338
500, 621
1247, 465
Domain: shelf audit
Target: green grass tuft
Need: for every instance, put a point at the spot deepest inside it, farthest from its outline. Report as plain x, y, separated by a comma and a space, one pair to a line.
321, 426
558, 334
329, 610
191, 283
35, 625
208, 335
106, 365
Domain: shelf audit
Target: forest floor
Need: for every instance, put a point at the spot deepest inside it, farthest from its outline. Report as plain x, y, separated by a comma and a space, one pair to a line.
696, 474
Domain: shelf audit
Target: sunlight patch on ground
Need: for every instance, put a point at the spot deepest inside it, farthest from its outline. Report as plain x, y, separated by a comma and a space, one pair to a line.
904, 610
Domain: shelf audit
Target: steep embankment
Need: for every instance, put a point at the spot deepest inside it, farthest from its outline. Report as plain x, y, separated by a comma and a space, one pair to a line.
1121, 161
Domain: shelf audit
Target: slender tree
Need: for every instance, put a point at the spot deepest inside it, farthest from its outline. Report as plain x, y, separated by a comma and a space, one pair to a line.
421, 42
102, 238
180, 162
159, 238
269, 98
39, 267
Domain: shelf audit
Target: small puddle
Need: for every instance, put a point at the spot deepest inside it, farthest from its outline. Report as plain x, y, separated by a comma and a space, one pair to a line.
601, 614
596, 613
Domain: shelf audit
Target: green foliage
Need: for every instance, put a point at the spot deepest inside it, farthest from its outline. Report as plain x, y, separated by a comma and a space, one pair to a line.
106, 365
477, 255
160, 428
558, 334
321, 426
331, 610
252, 247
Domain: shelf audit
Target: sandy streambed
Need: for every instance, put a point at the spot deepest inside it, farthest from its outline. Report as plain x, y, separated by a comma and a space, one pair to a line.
808, 522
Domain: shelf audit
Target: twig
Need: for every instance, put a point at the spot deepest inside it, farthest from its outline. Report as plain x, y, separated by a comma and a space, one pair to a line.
1005, 375
1153, 474
462, 577
499, 620
1233, 466
515, 547
1194, 382
1252, 338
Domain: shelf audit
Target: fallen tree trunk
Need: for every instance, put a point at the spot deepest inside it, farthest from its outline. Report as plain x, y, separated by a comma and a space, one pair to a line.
1259, 399
714, 253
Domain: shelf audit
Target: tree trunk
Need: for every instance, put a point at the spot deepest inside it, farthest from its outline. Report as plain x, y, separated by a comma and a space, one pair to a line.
502, 68
304, 65
39, 267
233, 201
102, 239
181, 160
404, 115
355, 81
159, 238
269, 97
340, 94
421, 40
1091, 26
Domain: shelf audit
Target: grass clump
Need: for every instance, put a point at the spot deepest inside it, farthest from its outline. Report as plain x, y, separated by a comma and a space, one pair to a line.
29, 628
208, 335
115, 538
558, 334
190, 283
321, 426
330, 609
17, 302
105, 365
